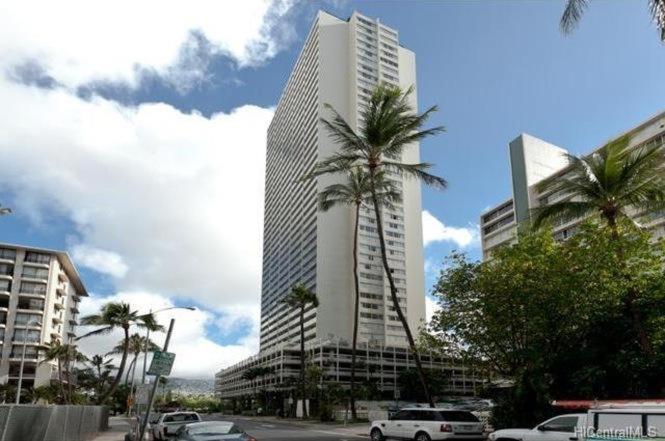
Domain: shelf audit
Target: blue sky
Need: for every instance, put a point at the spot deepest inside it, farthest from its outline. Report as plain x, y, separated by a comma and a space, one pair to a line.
495, 69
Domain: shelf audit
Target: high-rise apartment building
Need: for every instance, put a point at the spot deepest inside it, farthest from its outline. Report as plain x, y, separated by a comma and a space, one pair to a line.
531, 161
340, 63
40, 291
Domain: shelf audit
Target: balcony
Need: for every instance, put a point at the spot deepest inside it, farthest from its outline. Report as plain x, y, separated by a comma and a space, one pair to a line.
74, 309
73, 322
37, 294
59, 306
62, 276
57, 320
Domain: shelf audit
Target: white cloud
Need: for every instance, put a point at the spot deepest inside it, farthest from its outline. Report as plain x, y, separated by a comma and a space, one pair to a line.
79, 41
196, 355
431, 307
102, 261
435, 231
178, 196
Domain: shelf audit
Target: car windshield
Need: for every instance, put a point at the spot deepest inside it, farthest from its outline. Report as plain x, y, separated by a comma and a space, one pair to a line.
457, 415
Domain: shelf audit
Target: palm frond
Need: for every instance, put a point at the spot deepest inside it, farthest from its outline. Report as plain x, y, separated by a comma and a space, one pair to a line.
562, 210
572, 14
417, 171
101, 331
657, 9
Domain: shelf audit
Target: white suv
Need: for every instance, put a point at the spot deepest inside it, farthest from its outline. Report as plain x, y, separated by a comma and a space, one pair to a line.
427, 424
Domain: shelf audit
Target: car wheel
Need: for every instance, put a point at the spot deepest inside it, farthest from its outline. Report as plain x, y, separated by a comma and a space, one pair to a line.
376, 435
422, 436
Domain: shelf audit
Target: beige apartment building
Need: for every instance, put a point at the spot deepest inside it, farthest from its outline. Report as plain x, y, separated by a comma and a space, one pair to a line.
531, 161
40, 291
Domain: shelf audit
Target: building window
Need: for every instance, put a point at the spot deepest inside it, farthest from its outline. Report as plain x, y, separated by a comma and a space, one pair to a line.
6, 253
32, 335
35, 273
6, 269
32, 288
5, 285
37, 257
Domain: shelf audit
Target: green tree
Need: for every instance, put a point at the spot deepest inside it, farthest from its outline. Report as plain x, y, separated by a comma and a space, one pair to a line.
118, 315
549, 317
390, 127
574, 10
299, 299
411, 388
48, 393
610, 183
356, 192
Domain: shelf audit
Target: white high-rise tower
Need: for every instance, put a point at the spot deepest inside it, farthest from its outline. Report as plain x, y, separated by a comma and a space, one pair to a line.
340, 63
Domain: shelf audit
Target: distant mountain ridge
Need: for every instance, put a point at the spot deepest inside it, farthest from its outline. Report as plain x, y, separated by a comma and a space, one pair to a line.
185, 386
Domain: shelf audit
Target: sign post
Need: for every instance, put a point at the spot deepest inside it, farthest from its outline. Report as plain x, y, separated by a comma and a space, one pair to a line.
164, 364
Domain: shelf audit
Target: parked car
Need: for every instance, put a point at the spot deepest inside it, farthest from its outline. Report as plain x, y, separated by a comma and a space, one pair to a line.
428, 424
212, 430
168, 424
603, 423
560, 428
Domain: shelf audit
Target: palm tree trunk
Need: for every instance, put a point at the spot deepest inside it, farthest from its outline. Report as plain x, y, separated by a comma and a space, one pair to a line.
352, 389
393, 291
302, 361
118, 377
70, 390
632, 309
63, 396
129, 370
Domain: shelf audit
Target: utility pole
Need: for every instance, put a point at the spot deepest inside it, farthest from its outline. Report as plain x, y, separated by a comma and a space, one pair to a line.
151, 401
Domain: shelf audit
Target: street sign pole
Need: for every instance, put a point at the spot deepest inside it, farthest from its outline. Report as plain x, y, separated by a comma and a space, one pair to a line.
151, 401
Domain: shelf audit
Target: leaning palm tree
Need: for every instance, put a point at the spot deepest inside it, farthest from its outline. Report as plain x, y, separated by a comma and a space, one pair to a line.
300, 298
356, 192
118, 315
574, 10
390, 126
612, 183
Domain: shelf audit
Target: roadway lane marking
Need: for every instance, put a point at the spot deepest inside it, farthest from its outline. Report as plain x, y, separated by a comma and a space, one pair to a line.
327, 432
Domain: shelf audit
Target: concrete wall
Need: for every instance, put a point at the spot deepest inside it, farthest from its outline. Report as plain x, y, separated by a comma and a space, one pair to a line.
51, 423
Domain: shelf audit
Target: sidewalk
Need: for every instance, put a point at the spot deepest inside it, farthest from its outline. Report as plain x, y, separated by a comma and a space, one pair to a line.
118, 427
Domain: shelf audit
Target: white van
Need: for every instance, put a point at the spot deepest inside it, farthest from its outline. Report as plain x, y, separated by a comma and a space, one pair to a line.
610, 422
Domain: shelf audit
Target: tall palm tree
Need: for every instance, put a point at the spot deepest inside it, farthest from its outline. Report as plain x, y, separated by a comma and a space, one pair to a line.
356, 192
390, 126
300, 298
574, 10
611, 183
118, 315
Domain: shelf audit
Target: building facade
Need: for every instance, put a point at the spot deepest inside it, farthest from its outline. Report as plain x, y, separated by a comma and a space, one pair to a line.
375, 363
340, 63
531, 161
40, 291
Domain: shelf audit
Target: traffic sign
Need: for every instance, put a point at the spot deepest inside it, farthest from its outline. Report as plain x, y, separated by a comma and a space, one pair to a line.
161, 364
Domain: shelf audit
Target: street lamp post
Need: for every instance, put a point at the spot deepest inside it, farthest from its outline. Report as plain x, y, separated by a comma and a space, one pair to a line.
20, 372
147, 337
141, 427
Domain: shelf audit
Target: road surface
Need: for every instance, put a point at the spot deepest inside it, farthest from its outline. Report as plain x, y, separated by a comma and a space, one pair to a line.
264, 429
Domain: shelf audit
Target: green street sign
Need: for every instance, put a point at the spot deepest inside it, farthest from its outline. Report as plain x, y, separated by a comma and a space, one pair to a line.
161, 364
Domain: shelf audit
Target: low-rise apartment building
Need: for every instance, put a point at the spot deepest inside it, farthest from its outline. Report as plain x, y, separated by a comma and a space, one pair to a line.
40, 291
376, 363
